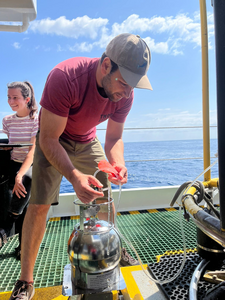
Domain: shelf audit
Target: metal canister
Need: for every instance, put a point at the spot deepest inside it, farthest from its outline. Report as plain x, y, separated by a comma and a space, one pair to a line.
94, 252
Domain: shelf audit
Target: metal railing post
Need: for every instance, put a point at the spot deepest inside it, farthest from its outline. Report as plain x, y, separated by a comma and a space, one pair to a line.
205, 89
219, 21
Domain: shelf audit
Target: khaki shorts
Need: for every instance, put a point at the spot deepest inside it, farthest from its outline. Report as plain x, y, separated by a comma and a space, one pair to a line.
46, 179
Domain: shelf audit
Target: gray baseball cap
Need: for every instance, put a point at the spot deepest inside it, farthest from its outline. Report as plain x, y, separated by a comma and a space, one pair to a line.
132, 55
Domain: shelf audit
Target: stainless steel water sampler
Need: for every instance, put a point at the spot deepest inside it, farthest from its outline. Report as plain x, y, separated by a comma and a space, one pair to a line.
94, 250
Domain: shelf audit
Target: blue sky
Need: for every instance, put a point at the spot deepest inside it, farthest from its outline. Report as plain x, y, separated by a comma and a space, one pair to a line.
64, 29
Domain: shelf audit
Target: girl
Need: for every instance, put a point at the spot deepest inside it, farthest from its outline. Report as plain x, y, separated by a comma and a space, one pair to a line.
20, 127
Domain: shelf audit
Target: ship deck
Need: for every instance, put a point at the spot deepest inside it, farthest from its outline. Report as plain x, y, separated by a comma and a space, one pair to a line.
153, 233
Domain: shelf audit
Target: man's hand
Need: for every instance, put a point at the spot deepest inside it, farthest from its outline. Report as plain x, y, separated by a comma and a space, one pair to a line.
84, 191
122, 174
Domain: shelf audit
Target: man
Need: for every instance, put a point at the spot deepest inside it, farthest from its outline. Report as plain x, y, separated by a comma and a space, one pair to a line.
79, 94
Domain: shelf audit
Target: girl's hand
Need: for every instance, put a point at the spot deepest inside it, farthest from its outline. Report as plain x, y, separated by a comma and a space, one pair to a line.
19, 188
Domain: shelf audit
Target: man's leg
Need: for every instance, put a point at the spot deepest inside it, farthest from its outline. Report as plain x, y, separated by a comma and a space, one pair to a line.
32, 235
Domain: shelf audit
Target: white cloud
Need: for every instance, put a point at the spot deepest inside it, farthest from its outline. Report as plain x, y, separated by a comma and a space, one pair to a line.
164, 109
59, 48
81, 26
47, 49
83, 47
16, 45
170, 121
165, 35
161, 47
166, 119
173, 118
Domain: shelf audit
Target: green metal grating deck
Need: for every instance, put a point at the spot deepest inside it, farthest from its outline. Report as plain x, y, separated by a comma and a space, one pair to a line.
152, 233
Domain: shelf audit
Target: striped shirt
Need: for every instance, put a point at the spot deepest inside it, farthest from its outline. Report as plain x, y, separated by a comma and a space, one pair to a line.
20, 131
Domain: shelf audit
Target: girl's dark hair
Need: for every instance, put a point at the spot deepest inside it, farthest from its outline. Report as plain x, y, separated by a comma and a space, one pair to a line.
114, 65
26, 91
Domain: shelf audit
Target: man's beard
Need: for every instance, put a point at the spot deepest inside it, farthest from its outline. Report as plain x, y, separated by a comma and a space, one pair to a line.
106, 84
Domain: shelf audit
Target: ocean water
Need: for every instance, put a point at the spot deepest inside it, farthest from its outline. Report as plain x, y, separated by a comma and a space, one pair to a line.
151, 164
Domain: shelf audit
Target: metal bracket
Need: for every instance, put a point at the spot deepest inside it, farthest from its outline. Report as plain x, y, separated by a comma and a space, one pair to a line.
214, 276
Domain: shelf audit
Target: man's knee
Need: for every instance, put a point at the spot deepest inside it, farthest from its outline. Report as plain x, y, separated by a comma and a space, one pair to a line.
37, 209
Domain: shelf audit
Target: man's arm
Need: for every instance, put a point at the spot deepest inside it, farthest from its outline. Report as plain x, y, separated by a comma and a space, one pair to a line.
51, 128
114, 149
